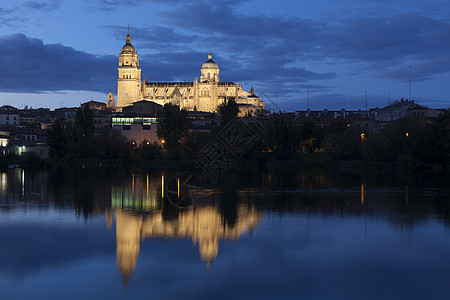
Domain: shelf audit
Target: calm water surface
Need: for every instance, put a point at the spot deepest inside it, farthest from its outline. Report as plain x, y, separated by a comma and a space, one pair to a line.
263, 235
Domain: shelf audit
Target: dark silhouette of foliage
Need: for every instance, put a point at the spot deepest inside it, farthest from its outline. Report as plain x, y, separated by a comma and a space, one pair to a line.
228, 110
195, 142
311, 136
57, 140
147, 150
173, 125
283, 138
78, 141
346, 144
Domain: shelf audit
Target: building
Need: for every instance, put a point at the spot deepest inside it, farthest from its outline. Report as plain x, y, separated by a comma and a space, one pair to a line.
94, 105
9, 116
137, 122
200, 95
403, 109
322, 118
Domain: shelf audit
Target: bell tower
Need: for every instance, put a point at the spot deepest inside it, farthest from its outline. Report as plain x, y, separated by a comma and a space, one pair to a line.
129, 81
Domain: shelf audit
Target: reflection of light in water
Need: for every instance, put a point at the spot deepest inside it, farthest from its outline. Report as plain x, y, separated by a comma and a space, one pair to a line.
125, 198
362, 194
203, 225
162, 186
3, 182
140, 194
178, 184
23, 182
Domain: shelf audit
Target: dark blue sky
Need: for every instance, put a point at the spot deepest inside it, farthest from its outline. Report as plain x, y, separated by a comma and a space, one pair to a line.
66, 52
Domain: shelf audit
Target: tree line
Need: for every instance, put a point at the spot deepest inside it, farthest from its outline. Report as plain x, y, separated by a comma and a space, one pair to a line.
412, 141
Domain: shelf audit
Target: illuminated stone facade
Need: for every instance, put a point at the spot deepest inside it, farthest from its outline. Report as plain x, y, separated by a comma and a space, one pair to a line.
203, 95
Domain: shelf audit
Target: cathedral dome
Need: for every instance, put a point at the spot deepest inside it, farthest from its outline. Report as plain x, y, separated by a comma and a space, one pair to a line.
128, 48
210, 64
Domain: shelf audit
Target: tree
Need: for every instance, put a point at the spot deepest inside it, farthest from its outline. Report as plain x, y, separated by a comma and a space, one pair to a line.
83, 133
283, 138
172, 127
147, 150
228, 110
347, 144
56, 139
84, 122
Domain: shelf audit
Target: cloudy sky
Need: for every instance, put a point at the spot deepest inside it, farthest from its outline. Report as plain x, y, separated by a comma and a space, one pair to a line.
61, 52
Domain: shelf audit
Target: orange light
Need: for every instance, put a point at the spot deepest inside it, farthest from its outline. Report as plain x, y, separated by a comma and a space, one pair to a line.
362, 194
163, 141
406, 134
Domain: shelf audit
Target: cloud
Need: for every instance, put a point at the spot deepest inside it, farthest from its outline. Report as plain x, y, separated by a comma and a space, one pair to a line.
155, 37
29, 65
276, 54
43, 6
8, 19
111, 5
392, 38
377, 42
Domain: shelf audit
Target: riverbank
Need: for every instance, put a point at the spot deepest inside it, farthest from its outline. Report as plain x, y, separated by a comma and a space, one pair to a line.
302, 161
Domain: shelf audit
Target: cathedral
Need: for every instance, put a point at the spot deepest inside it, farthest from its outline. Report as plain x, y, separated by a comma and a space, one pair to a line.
204, 95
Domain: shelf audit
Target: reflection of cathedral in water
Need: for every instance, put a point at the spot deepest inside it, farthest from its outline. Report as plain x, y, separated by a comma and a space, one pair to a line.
203, 225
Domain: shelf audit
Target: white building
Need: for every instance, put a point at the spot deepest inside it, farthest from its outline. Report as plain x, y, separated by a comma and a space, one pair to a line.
203, 95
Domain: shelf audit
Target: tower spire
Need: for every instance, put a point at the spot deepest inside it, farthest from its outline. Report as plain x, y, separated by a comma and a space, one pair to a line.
209, 55
128, 41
